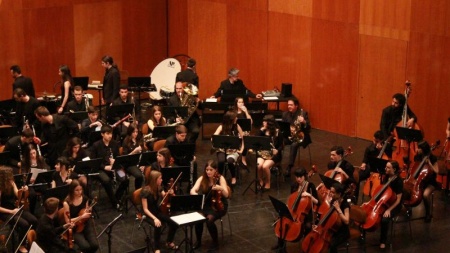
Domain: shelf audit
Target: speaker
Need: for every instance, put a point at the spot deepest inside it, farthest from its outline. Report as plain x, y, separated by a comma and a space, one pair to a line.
286, 89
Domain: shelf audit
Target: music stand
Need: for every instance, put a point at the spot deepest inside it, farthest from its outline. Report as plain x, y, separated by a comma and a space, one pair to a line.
377, 165
328, 181
409, 135
6, 133
245, 124
256, 143
43, 178
226, 142
82, 81
4, 158
285, 129
173, 112
78, 116
60, 193
283, 213
182, 152
147, 158
18, 179
187, 203
108, 230
88, 168
173, 172
125, 161
162, 132
119, 110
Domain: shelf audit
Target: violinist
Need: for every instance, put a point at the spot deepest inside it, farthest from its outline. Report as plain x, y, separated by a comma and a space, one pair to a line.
75, 153
151, 194
9, 205
132, 144
267, 159
215, 187
77, 205
301, 176
430, 184
392, 115
62, 175
90, 125
392, 171
342, 207
48, 233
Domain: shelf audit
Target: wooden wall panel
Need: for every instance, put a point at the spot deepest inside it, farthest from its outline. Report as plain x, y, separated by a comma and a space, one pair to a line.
209, 31
178, 27
385, 18
431, 17
429, 71
381, 74
295, 7
346, 11
289, 58
334, 68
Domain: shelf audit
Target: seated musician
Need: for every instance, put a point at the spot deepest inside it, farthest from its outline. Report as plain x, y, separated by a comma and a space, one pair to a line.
48, 234
392, 170
215, 187
75, 153
163, 159
77, 204
230, 157
132, 144
123, 99
62, 175
301, 177
373, 150
342, 207
423, 150
9, 204
242, 113
90, 125
79, 103
234, 83
17, 147
156, 118
181, 98
108, 149
151, 195
24, 109
268, 158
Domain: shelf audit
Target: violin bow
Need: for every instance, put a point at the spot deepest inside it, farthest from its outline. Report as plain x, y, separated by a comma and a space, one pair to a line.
23, 239
15, 224
174, 182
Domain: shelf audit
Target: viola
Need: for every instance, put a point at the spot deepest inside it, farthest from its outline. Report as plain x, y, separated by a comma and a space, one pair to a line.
67, 234
414, 185
22, 199
374, 180
217, 204
319, 238
82, 221
375, 208
164, 206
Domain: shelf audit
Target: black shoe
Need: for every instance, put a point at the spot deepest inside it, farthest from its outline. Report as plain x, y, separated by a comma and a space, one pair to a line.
197, 245
275, 247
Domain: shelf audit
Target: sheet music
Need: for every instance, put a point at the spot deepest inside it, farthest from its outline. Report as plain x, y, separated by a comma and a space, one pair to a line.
187, 218
35, 248
35, 172
214, 100
270, 98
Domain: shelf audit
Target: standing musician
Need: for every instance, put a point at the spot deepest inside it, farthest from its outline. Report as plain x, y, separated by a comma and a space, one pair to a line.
108, 149
301, 177
79, 103
181, 98
242, 113
216, 189
76, 203
268, 158
67, 84
189, 75
132, 144
9, 204
90, 125
17, 147
48, 233
392, 170
229, 127
62, 175
24, 109
111, 80
299, 121
21, 81
151, 194
74, 153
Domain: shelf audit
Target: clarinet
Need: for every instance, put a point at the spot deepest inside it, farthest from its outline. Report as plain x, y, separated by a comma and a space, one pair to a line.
191, 177
112, 157
37, 145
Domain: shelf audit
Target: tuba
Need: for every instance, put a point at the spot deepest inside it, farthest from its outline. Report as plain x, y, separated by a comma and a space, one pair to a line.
189, 99
297, 134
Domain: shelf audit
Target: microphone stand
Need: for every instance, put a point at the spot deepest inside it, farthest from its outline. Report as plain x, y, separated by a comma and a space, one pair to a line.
108, 230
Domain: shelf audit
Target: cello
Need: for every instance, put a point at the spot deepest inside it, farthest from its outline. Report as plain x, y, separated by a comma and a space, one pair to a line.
374, 180
414, 185
376, 207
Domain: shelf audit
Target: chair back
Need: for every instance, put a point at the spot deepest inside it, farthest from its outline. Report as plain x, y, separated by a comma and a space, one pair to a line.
136, 198
31, 237
144, 129
159, 145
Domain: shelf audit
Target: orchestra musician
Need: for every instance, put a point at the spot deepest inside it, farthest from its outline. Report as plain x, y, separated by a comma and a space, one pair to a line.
189, 75
342, 207
151, 194
215, 205
372, 150
8, 206
123, 99
336, 156
90, 125
230, 157
242, 113
156, 118
268, 158
24, 109
392, 170
75, 153
17, 147
77, 204
132, 144
193, 123
48, 233
78, 104
62, 175
21, 81
111, 80
67, 84
163, 159
299, 120
234, 83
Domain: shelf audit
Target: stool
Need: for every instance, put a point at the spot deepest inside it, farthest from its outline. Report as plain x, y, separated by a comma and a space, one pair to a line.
395, 220
229, 224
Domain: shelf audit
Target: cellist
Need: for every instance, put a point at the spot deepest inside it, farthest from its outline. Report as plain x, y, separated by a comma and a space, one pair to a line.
342, 207
210, 183
337, 158
371, 151
301, 177
392, 170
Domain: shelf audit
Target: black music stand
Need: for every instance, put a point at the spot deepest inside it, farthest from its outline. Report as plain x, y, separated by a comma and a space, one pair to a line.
228, 96
108, 230
125, 161
182, 152
162, 132
139, 84
88, 168
377, 165
4, 158
187, 203
82, 81
119, 111
7, 132
173, 172
283, 212
57, 192
285, 129
226, 142
147, 158
256, 143
409, 135
245, 124
43, 178
328, 181
78, 116
19, 179
173, 112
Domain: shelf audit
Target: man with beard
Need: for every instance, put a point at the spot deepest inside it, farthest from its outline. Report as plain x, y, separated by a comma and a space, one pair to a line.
392, 115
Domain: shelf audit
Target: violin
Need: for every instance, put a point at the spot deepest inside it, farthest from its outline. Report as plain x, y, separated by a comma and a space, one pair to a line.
319, 238
291, 230
67, 234
164, 206
79, 225
374, 180
414, 185
217, 203
376, 207
22, 198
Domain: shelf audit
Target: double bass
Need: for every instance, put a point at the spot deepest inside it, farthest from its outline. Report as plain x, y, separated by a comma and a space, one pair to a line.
414, 185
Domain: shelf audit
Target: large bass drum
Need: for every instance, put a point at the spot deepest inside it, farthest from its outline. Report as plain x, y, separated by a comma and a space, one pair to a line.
163, 76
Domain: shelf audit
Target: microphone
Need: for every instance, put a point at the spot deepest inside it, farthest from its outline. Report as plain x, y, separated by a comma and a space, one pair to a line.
142, 220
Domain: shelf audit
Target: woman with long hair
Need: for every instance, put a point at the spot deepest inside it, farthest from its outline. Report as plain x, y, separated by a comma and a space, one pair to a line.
156, 118
132, 144
74, 203
163, 159
9, 207
151, 195
215, 187
67, 84
75, 153
62, 174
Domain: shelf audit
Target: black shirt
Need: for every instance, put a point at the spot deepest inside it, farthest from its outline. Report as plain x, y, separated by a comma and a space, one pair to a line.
26, 109
26, 84
111, 84
16, 149
48, 235
237, 86
74, 106
391, 116
100, 150
345, 165
187, 75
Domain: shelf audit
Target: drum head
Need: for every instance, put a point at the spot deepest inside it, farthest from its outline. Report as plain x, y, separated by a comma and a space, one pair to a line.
163, 76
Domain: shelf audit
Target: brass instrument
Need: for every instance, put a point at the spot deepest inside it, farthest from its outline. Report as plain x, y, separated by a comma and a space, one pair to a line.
148, 138
266, 154
86, 101
189, 98
297, 134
